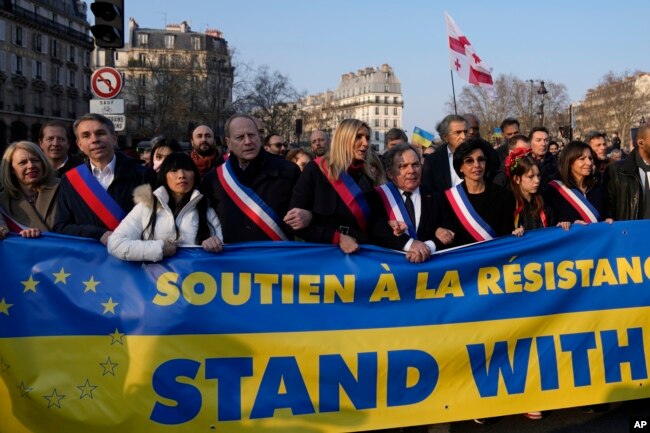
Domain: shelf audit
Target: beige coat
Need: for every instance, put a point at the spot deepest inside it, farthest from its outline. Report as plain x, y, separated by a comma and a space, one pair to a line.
41, 215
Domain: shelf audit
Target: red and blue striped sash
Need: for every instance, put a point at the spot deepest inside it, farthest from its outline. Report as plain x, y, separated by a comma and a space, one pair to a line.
95, 196
348, 190
578, 201
469, 218
250, 203
395, 207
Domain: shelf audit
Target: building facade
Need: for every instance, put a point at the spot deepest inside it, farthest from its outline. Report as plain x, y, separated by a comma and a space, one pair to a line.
45, 52
373, 95
174, 79
617, 105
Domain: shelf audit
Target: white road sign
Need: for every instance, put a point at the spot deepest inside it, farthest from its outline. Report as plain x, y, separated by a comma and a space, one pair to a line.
118, 120
107, 106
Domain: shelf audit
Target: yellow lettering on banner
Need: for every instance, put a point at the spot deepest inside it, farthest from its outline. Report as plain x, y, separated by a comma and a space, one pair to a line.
386, 288
549, 276
585, 267
604, 274
266, 282
646, 267
629, 270
533, 276
334, 289
567, 276
168, 293
488, 281
308, 290
242, 295
512, 278
449, 285
199, 279
287, 289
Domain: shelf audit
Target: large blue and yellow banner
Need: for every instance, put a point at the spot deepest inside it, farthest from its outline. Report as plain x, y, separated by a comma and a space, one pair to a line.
300, 337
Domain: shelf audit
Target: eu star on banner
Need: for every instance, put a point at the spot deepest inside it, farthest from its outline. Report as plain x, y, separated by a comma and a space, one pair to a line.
422, 137
464, 60
299, 337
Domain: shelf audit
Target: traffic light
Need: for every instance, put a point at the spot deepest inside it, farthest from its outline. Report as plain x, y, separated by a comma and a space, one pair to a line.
109, 23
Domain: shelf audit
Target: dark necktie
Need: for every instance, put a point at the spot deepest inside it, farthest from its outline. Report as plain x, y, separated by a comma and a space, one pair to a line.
410, 209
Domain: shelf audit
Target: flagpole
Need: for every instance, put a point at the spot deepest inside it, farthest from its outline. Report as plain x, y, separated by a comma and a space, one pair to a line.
453, 90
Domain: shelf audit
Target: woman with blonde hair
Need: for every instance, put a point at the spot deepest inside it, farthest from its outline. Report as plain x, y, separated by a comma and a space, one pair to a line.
338, 188
30, 189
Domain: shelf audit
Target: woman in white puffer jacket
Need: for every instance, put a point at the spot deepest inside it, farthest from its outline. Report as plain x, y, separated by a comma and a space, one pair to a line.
175, 214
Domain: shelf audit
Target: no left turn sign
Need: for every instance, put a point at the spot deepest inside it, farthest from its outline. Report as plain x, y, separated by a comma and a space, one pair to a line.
106, 82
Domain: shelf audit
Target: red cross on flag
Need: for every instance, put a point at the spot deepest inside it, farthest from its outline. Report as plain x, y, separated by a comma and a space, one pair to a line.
467, 64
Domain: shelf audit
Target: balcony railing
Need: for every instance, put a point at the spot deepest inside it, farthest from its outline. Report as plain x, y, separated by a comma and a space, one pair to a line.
31, 16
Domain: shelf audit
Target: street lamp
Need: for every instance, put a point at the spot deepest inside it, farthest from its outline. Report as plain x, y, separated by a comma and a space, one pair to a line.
542, 91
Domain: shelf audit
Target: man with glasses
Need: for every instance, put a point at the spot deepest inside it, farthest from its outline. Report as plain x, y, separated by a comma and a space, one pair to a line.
276, 144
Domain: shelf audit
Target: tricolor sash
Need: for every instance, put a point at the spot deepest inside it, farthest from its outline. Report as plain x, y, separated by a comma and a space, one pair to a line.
250, 203
13, 225
348, 190
469, 218
395, 207
95, 196
578, 201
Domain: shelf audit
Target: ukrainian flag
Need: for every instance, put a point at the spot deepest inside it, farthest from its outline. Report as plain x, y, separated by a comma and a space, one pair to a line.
422, 137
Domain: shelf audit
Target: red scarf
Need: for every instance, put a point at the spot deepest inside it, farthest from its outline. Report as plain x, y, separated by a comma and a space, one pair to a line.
203, 163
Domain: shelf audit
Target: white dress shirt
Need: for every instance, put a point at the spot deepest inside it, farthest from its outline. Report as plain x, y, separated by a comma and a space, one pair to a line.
416, 198
104, 177
455, 179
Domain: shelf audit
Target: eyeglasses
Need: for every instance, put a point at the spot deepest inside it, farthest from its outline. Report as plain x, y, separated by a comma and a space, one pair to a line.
471, 161
279, 145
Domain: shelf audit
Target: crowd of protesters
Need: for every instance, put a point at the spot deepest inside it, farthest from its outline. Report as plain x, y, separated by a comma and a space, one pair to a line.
337, 191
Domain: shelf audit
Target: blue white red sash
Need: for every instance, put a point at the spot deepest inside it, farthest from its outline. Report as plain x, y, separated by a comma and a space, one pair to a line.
578, 201
250, 203
95, 196
395, 207
469, 218
348, 190
13, 225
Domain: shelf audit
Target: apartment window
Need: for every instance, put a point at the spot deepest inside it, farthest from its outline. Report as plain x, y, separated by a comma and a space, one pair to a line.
141, 121
376, 98
72, 105
19, 99
376, 122
2, 30
162, 60
38, 102
17, 64
141, 102
386, 111
395, 123
18, 37
56, 106
377, 110
56, 74
37, 71
143, 39
385, 123
2, 61
72, 79
142, 79
196, 43
38, 43
394, 99
376, 135
71, 53
395, 111
169, 41
386, 99
386, 89
55, 48
142, 57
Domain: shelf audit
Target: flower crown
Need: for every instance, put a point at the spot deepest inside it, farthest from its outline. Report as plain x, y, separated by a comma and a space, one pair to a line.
513, 158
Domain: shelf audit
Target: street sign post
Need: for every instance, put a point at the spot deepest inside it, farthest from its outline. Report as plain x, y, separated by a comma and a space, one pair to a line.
106, 83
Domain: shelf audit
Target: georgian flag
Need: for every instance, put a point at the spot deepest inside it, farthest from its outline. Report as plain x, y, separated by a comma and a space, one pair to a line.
464, 60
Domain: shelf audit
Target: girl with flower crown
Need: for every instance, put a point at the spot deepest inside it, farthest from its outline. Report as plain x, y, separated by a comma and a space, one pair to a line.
530, 210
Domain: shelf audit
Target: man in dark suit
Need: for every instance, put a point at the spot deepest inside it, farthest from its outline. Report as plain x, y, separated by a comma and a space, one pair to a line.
53, 139
438, 172
423, 210
251, 191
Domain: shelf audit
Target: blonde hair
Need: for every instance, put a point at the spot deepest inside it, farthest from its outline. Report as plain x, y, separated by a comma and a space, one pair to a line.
8, 177
341, 153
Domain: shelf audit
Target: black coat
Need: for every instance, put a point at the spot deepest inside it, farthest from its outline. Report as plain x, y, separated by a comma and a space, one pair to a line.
271, 177
495, 206
564, 211
330, 214
74, 216
624, 189
431, 218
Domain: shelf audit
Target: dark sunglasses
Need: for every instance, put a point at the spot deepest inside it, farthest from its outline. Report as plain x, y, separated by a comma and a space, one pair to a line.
471, 161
